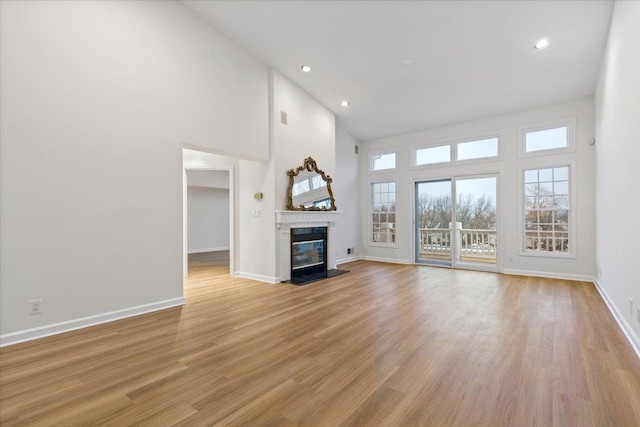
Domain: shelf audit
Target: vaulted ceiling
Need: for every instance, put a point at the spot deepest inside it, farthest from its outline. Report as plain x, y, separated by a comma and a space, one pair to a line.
411, 65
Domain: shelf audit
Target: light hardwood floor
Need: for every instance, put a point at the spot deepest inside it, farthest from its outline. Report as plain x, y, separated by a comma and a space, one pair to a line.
384, 345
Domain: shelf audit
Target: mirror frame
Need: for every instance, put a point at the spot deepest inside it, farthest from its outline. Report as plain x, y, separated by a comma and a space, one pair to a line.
311, 166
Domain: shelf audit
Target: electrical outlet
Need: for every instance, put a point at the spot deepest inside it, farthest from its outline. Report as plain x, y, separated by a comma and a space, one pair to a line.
510, 259
35, 306
257, 212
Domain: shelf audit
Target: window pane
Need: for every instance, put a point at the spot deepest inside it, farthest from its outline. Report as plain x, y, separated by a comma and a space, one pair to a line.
561, 202
546, 188
531, 176
427, 156
546, 175
477, 149
546, 139
546, 210
560, 188
384, 161
383, 212
561, 174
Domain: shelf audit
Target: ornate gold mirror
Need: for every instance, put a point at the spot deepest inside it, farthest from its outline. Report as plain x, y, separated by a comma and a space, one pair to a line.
309, 188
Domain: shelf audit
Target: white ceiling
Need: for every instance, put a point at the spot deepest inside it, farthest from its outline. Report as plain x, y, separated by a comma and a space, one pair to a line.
473, 59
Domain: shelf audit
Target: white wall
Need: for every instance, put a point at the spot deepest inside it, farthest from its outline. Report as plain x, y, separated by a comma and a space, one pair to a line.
345, 190
618, 167
256, 218
509, 168
310, 132
208, 220
97, 100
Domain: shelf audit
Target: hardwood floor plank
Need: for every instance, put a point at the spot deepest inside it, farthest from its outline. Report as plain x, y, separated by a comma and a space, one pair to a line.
384, 345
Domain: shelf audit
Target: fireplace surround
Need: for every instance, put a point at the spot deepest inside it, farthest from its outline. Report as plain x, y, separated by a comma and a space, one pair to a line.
287, 220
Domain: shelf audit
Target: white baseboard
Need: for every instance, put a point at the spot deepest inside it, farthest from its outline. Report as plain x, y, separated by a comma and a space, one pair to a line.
85, 322
348, 259
389, 260
199, 251
258, 277
549, 275
622, 322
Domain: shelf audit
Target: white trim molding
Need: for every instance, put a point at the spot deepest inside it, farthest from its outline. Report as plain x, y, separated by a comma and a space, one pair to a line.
203, 250
387, 260
627, 330
549, 275
258, 277
85, 322
348, 259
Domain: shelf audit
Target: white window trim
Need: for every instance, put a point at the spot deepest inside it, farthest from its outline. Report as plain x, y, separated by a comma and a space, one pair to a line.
570, 123
382, 153
370, 241
572, 254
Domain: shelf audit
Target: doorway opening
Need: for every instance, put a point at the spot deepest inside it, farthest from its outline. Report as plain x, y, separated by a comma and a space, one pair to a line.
456, 222
208, 212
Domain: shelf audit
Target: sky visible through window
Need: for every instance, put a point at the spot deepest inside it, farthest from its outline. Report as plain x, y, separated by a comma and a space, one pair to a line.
477, 149
547, 139
476, 186
427, 156
384, 161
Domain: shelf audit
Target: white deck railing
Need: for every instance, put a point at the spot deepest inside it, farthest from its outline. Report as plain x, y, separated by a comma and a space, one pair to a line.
435, 241
472, 243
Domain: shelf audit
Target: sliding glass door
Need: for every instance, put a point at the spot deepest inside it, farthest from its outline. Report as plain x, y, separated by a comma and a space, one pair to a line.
471, 241
475, 234
433, 222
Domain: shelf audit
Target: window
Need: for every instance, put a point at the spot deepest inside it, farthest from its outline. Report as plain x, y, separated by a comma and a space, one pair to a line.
546, 139
383, 213
546, 210
383, 161
478, 149
431, 155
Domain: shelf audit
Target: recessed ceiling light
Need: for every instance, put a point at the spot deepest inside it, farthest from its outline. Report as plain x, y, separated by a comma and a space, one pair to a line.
408, 61
541, 44
345, 103
306, 68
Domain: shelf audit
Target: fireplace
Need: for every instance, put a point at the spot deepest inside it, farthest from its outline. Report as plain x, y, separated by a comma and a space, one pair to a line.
308, 254
291, 220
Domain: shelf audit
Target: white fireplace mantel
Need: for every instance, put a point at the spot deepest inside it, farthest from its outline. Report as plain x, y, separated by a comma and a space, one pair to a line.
286, 220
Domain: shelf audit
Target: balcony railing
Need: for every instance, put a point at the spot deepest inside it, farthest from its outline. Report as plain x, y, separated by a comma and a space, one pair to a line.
435, 243
473, 245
